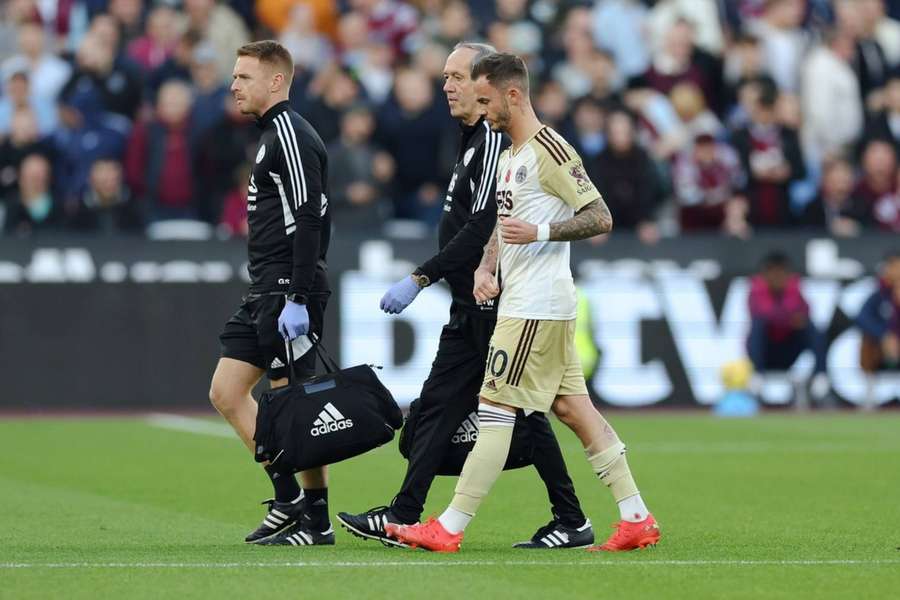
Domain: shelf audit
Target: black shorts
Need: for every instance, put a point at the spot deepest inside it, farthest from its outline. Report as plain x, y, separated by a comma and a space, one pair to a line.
251, 335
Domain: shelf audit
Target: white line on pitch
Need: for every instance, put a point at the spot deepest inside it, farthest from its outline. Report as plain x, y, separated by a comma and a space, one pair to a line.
460, 563
190, 425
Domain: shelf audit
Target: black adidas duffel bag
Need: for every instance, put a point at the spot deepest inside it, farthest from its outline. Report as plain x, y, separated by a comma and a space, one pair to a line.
521, 451
326, 419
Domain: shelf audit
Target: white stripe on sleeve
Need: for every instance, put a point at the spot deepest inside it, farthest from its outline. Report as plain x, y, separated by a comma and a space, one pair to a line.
492, 142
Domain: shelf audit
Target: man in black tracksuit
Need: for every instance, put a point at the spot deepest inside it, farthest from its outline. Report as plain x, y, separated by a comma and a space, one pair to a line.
450, 394
289, 231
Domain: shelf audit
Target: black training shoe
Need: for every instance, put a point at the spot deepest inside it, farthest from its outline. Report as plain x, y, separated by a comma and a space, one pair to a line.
370, 524
301, 534
556, 535
281, 515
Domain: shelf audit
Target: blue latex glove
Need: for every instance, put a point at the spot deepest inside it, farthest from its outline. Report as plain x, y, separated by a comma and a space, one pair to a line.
400, 296
293, 320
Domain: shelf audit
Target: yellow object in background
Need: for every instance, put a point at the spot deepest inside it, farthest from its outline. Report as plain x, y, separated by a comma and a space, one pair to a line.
736, 374
584, 337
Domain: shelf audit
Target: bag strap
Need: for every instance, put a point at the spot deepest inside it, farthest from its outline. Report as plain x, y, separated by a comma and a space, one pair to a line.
329, 363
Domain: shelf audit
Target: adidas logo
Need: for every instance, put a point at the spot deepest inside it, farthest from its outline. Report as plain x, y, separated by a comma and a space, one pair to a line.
276, 363
468, 431
491, 385
330, 420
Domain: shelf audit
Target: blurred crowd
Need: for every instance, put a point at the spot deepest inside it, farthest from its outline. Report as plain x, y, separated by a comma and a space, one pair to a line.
731, 116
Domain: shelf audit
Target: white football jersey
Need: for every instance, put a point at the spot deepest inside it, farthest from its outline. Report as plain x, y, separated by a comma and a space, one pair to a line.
544, 181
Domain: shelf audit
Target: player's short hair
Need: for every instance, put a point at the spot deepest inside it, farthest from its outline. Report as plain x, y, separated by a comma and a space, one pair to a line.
481, 50
271, 53
502, 70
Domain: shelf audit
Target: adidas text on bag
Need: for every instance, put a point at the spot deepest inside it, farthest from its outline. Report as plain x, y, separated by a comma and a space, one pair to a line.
330, 420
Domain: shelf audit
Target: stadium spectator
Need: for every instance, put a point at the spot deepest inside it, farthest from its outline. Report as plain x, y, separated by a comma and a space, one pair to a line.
677, 61
107, 206
390, 22
551, 104
832, 106
575, 72
209, 92
702, 14
879, 320
129, 16
869, 60
158, 42
885, 124
706, 179
49, 73
771, 157
837, 209
219, 154
587, 132
310, 49
276, 14
453, 24
784, 41
24, 140
886, 211
158, 162
627, 178
879, 174
886, 29
32, 208
358, 173
17, 95
98, 84
177, 65
233, 220
218, 24
690, 106
618, 27
744, 61
409, 122
333, 91
781, 328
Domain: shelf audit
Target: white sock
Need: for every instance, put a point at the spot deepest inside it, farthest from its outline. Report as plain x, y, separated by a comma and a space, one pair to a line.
454, 520
633, 509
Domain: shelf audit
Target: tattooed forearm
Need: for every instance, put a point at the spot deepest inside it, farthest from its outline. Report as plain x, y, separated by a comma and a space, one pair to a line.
593, 219
491, 249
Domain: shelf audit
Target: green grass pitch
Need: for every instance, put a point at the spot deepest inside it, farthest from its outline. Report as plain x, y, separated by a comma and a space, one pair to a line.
783, 506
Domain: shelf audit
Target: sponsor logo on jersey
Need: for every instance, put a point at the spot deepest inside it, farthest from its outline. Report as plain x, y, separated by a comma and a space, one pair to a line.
581, 179
468, 156
260, 154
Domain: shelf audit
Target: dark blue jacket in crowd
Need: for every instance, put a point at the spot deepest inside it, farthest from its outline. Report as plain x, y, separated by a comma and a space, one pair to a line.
875, 315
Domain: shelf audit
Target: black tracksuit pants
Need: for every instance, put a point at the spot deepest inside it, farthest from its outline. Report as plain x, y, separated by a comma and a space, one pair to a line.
448, 395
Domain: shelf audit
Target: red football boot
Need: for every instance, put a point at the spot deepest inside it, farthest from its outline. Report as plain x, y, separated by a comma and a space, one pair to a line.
631, 536
430, 535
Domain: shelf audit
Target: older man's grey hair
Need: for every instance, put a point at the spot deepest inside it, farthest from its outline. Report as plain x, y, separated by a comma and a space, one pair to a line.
481, 50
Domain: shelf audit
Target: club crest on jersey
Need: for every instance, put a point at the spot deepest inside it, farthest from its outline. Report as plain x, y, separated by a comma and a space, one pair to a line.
581, 179
521, 174
260, 154
467, 157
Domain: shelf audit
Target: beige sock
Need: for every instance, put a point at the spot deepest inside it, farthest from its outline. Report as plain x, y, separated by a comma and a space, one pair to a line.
486, 460
611, 467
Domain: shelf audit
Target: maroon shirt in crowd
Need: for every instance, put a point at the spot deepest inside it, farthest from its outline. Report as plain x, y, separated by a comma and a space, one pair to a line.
777, 310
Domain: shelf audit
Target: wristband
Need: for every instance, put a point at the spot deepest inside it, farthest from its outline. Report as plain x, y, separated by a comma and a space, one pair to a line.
543, 232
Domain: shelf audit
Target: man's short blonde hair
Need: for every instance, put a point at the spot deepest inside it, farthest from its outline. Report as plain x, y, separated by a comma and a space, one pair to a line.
271, 53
